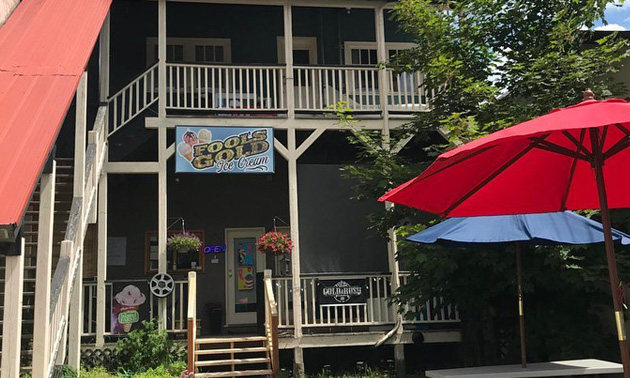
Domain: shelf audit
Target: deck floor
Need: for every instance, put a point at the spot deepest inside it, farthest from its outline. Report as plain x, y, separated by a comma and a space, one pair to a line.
543, 369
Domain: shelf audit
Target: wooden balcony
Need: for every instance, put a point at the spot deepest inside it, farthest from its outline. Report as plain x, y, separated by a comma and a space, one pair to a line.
237, 90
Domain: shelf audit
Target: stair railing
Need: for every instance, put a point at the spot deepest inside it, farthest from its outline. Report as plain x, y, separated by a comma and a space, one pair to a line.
271, 323
133, 98
81, 213
192, 319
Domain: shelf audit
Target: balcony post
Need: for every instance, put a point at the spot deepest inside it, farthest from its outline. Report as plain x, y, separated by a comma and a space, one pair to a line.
162, 58
101, 268
12, 317
381, 52
104, 44
75, 324
392, 250
41, 323
162, 157
288, 54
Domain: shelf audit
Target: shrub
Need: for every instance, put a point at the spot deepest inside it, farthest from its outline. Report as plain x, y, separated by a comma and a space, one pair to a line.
144, 349
64, 371
97, 372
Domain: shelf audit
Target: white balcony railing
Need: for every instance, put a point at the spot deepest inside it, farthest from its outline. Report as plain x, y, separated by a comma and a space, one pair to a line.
225, 88
176, 306
375, 311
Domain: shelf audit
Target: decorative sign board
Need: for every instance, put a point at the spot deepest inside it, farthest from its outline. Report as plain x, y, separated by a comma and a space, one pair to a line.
224, 149
340, 292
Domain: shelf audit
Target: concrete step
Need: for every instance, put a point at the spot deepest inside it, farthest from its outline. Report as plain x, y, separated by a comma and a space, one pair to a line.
236, 361
244, 373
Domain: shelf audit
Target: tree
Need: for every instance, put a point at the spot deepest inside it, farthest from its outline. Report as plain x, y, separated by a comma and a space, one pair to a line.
492, 64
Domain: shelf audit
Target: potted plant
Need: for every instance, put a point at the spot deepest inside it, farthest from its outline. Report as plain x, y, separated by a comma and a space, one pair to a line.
275, 243
184, 242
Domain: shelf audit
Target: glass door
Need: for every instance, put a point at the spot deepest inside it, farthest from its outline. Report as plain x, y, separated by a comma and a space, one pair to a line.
243, 262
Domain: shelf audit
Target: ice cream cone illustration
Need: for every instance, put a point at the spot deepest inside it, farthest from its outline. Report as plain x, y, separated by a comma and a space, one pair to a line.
126, 304
190, 138
205, 136
185, 150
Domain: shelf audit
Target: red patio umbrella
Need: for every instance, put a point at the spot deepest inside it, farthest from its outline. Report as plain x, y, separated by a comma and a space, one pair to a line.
573, 158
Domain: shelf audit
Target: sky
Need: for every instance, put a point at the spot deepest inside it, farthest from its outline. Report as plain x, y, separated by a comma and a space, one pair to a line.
618, 17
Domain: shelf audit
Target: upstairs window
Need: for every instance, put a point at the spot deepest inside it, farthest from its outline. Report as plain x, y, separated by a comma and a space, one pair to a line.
191, 50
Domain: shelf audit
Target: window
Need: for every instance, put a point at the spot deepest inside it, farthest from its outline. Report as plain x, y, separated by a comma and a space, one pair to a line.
176, 261
365, 54
192, 50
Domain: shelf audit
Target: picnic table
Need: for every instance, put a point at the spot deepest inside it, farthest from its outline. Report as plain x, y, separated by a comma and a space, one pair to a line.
541, 369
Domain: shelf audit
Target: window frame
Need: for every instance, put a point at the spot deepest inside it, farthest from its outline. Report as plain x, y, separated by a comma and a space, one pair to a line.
190, 45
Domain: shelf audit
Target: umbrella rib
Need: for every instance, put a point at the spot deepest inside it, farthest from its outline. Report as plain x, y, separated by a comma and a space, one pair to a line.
494, 174
552, 147
618, 147
603, 139
572, 172
578, 144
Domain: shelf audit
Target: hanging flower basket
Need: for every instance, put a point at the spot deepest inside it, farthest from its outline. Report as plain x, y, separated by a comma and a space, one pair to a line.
275, 243
184, 242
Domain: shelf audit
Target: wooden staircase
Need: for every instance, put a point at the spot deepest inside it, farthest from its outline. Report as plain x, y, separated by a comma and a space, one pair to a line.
63, 202
232, 357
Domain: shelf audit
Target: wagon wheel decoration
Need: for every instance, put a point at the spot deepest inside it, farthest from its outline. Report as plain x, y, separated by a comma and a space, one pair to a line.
161, 285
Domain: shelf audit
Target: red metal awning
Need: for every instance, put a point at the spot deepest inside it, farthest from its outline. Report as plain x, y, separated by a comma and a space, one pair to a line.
44, 48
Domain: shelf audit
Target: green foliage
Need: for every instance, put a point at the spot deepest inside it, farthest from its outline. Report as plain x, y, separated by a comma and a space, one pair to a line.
97, 372
64, 371
145, 348
492, 64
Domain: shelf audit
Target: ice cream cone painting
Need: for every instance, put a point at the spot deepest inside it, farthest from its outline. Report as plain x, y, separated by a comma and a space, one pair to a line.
185, 150
125, 309
205, 136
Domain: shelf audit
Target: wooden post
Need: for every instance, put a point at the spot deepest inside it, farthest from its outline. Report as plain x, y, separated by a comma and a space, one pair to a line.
597, 163
41, 323
162, 58
192, 319
162, 157
101, 269
288, 53
12, 319
295, 254
383, 56
104, 46
75, 324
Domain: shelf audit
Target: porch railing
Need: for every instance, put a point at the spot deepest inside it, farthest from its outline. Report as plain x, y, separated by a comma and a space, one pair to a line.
225, 88
192, 320
375, 311
271, 323
176, 321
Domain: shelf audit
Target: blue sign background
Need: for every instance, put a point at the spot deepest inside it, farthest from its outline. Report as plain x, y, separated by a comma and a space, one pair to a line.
201, 149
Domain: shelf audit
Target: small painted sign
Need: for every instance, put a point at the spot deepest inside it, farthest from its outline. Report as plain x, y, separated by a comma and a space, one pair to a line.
224, 149
339, 292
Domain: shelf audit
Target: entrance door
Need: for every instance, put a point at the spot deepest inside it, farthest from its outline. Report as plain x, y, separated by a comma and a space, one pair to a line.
243, 262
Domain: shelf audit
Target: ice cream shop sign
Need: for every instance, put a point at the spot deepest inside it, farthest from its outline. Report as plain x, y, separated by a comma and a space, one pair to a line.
224, 149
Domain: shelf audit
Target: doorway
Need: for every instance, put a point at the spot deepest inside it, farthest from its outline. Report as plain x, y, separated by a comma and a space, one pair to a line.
242, 263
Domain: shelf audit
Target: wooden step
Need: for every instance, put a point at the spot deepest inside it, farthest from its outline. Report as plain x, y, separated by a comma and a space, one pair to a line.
230, 350
222, 340
243, 373
237, 361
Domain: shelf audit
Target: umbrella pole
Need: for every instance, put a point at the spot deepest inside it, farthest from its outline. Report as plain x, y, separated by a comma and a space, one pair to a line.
610, 250
521, 316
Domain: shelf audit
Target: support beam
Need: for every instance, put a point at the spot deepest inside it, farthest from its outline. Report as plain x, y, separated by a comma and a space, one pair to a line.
309, 141
382, 54
75, 324
132, 167
288, 53
277, 123
101, 264
12, 319
162, 158
282, 150
104, 47
41, 324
